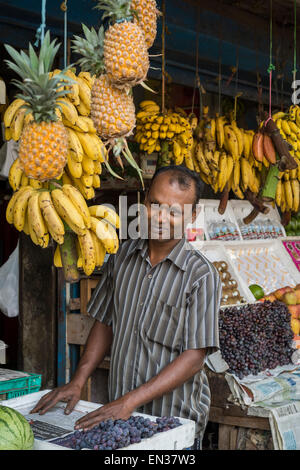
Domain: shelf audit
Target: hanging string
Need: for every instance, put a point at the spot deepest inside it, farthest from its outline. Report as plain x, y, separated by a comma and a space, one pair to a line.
271, 66
295, 42
196, 75
64, 8
163, 58
220, 62
40, 32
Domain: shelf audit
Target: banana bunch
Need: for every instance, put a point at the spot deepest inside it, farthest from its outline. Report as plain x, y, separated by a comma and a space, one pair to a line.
41, 213
288, 190
100, 238
289, 127
153, 128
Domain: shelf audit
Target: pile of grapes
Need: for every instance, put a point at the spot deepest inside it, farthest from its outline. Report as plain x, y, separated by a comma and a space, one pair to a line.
255, 337
115, 434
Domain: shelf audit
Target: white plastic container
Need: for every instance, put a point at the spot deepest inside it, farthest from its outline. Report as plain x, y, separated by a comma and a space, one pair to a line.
178, 438
243, 208
212, 216
262, 262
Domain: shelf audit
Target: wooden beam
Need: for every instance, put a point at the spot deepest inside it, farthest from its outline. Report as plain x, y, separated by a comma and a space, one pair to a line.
37, 318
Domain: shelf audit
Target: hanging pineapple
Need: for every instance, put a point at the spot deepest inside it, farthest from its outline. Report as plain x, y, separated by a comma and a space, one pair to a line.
126, 57
112, 109
146, 16
43, 144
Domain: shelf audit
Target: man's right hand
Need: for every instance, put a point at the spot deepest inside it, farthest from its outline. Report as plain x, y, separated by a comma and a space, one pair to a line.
69, 393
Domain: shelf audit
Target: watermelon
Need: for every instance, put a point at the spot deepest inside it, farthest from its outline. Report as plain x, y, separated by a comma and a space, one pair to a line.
15, 431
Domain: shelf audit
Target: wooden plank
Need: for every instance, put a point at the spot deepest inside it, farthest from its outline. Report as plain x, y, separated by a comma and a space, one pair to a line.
78, 328
219, 415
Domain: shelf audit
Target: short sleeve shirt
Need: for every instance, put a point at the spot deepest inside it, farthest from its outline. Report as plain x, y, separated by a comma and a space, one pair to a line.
156, 313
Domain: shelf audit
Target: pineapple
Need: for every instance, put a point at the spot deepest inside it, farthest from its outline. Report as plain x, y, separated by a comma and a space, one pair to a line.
126, 56
43, 144
146, 13
112, 109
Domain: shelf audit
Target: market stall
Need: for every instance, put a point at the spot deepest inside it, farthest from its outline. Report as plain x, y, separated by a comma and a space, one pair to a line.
80, 138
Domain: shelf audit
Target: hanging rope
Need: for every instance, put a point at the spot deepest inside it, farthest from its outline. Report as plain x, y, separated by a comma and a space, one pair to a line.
163, 58
64, 8
295, 42
271, 66
40, 32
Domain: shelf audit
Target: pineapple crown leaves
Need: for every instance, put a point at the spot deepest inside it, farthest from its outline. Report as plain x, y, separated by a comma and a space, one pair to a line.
116, 10
39, 92
90, 47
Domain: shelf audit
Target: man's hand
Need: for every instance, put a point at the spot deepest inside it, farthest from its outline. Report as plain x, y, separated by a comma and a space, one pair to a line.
117, 409
70, 393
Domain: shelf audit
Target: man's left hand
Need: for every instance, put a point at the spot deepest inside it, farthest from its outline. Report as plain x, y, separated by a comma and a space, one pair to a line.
117, 409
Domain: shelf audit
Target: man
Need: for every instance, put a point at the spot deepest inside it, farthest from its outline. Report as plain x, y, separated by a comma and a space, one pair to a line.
156, 309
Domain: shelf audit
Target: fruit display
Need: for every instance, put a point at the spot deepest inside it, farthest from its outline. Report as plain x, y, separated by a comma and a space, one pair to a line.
290, 296
154, 129
230, 290
15, 431
255, 337
116, 434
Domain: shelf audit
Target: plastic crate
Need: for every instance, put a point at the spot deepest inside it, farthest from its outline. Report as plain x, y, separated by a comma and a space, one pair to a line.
20, 386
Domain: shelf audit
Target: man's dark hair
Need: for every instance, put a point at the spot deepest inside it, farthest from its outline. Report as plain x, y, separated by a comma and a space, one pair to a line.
184, 177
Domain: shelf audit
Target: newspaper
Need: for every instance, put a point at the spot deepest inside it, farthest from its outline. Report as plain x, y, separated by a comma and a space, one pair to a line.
277, 391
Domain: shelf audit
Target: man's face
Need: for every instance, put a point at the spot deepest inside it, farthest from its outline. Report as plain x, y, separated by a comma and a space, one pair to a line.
169, 208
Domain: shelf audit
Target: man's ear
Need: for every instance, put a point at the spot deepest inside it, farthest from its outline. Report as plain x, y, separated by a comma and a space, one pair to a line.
196, 212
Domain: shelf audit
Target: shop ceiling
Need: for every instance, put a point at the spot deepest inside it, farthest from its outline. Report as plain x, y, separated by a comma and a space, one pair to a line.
230, 34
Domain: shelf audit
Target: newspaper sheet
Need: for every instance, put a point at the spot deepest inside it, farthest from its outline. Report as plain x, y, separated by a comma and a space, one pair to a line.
277, 391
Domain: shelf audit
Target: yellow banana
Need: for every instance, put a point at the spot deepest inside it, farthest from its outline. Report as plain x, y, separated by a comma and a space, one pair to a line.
88, 165
11, 111
278, 193
75, 168
295, 190
96, 181
240, 137
20, 207
285, 127
245, 172
53, 221
83, 110
88, 252
97, 167
80, 125
75, 146
89, 79
223, 171
220, 131
68, 110
99, 249
79, 202
57, 261
17, 123
35, 216
231, 142
84, 92
87, 180
68, 212
106, 234
89, 122
288, 195
88, 193
92, 145
15, 175
11, 204
278, 115
36, 184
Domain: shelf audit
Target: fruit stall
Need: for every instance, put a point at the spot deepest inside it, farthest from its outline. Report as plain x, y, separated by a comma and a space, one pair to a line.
84, 125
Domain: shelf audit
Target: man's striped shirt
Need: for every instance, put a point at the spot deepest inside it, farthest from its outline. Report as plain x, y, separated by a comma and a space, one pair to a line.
156, 313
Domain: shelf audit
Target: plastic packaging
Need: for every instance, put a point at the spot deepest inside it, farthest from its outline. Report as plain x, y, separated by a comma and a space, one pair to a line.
9, 285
